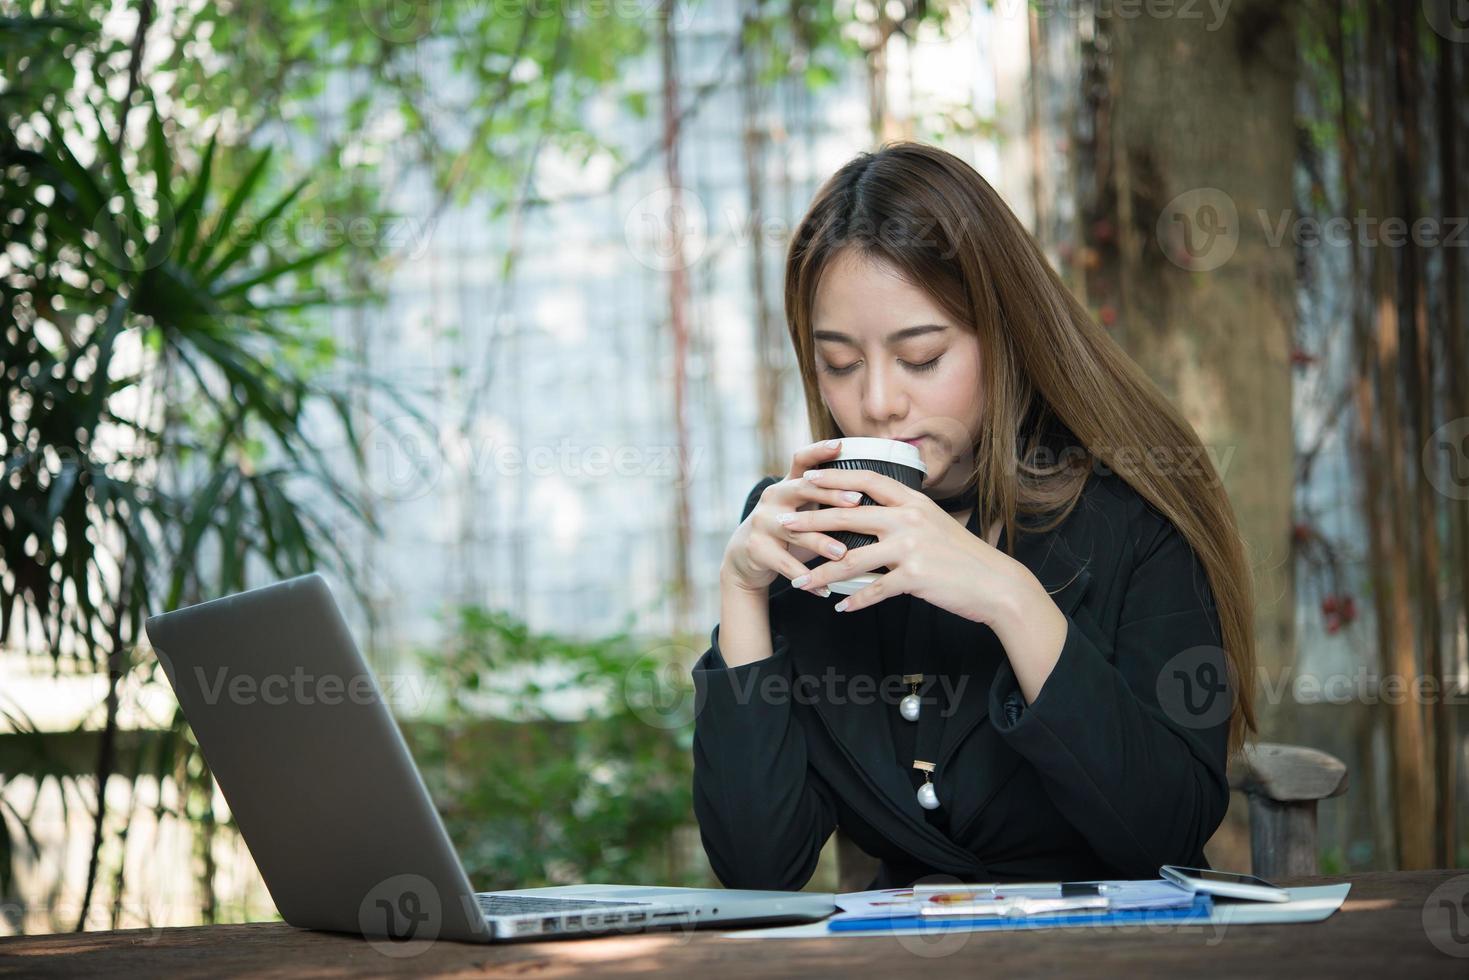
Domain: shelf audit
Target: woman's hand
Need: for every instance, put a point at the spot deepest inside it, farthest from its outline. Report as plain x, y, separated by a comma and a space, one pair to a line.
929, 554
762, 547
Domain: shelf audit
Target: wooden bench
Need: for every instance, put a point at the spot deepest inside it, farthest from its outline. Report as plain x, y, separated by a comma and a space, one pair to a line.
1282, 782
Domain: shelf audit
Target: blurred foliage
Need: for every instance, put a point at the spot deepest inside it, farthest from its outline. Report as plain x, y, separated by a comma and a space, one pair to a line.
184, 189
165, 389
531, 797
469, 91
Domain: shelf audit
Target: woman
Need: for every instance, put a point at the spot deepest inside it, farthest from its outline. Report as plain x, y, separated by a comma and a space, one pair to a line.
1069, 583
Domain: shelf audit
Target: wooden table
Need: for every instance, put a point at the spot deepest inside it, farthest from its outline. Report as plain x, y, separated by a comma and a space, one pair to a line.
1379, 930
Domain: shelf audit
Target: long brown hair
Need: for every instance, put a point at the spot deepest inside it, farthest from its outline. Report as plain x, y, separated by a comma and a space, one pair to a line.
1047, 367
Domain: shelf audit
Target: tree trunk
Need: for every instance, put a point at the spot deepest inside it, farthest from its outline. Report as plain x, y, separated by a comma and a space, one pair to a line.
1364, 395
1035, 122
678, 295
768, 341
1405, 719
1418, 373
1213, 329
1449, 129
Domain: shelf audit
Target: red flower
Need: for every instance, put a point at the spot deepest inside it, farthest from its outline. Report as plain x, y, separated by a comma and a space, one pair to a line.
1328, 605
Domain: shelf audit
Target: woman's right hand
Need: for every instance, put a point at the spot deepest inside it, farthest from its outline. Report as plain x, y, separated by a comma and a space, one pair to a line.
762, 548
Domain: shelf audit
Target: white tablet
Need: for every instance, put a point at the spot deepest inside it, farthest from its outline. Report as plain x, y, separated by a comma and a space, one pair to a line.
1224, 884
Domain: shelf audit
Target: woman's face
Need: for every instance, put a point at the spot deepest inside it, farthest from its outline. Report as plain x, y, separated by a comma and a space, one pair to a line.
891, 364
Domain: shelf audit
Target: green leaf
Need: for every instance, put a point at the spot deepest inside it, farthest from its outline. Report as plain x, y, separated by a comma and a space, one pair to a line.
202, 509
192, 205
215, 269
116, 171
158, 150
636, 103
818, 76
111, 328
220, 226
61, 488
276, 271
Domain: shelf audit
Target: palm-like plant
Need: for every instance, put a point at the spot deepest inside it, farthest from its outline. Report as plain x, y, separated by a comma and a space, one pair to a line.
157, 369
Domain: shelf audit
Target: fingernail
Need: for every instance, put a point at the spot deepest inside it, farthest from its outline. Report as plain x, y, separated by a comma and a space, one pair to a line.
841, 606
824, 592
812, 474
785, 518
835, 549
800, 580
833, 443
852, 495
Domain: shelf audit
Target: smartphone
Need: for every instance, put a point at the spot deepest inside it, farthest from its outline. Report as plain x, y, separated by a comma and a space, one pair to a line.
1224, 884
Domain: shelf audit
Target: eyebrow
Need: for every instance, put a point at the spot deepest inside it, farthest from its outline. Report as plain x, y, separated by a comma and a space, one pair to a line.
896, 337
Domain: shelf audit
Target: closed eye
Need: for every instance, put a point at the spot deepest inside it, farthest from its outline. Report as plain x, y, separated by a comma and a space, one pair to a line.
923, 368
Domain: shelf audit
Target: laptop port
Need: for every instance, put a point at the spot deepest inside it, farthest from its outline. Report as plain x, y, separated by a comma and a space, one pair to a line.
573, 920
549, 924
611, 917
636, 916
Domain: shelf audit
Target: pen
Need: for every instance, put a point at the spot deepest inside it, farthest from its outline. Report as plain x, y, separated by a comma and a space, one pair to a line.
1046, 889
1010, 905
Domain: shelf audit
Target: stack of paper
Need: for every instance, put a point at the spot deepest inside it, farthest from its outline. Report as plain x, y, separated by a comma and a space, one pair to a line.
1037, 903
1307, 904
1144, 894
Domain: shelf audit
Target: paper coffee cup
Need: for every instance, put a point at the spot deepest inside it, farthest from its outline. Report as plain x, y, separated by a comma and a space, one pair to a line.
892, 458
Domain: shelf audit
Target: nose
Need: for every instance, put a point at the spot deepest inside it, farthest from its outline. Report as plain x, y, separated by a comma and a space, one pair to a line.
883, 396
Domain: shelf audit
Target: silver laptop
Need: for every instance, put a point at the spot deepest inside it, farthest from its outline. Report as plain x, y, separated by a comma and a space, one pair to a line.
333, 809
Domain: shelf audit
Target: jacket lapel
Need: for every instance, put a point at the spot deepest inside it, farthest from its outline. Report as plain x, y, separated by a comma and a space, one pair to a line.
1065, 579
843, 646
834, 649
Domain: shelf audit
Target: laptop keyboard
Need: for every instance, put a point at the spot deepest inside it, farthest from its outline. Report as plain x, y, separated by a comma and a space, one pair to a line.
525, 904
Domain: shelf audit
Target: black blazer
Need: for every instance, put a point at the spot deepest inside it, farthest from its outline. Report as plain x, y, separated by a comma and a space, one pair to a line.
1118, 766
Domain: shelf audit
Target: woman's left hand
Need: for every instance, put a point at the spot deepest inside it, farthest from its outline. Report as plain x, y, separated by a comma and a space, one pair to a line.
929, 554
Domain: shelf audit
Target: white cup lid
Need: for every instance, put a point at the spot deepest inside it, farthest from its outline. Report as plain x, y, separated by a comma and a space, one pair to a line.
855, 584
888, 450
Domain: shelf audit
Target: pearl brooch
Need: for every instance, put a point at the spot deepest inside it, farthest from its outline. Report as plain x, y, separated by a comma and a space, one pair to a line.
928, 797
908, 707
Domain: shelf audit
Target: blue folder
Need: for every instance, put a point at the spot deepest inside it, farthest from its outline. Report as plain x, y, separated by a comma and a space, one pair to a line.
1201, 909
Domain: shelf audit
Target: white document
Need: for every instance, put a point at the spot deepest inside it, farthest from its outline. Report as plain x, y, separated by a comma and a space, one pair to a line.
1311, 904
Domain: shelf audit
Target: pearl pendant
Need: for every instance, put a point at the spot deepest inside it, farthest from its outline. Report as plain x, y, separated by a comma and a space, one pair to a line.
908, 707
928, 797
